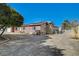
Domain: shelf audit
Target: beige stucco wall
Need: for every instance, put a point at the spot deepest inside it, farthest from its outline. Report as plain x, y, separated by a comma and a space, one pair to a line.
8, 29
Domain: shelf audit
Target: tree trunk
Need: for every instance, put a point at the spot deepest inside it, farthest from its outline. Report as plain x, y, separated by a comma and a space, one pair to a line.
3, 31
2, 27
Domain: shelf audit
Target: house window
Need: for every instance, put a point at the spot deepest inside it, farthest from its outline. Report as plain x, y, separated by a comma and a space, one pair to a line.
23, 28
17, 28
34, 28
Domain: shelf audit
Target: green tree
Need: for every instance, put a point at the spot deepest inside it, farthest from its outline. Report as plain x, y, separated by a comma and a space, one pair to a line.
66, 25
75, 24
9, 17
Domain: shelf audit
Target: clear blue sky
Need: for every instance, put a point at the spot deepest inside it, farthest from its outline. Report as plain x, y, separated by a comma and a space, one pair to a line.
36, 12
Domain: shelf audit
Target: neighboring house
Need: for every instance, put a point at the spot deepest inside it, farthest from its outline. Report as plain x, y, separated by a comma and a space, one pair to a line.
42, 27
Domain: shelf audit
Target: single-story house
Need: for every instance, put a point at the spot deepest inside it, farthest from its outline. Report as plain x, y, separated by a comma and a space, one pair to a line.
42, 27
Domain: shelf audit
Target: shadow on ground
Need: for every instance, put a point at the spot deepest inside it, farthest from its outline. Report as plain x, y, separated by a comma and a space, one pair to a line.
47, 51
56, 51
29, 45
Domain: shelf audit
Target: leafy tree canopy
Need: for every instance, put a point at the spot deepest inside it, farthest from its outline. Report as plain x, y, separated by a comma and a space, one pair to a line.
9, 16
66, 24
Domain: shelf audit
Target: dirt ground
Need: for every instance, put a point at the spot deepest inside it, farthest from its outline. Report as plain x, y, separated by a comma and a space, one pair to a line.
43, 45
69, 46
